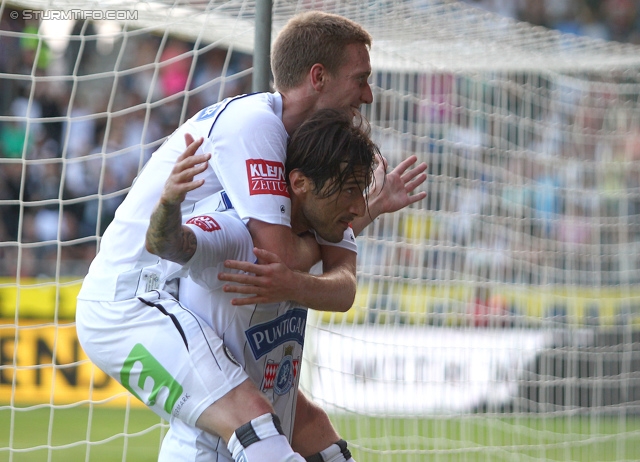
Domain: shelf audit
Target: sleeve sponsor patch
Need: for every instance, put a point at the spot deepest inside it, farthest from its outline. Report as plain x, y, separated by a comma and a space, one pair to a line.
210, 111
205, 223
266, 177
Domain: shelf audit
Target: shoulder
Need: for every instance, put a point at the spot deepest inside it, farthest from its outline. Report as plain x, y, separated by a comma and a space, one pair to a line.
256, 112
251, 125
248, 105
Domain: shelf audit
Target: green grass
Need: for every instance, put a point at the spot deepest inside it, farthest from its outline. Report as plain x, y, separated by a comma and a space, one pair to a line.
479, 437
70, 438
471, 438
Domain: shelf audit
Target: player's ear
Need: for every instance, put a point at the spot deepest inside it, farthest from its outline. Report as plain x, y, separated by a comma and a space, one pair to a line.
298, 182
318, 75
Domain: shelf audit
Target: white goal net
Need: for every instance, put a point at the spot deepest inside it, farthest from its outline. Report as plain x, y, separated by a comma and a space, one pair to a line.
495, 320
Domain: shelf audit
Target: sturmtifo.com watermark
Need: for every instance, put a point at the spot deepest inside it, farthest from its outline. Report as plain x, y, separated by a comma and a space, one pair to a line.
76, 14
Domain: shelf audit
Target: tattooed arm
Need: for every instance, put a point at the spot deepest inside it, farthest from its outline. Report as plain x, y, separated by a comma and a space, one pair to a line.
166, 236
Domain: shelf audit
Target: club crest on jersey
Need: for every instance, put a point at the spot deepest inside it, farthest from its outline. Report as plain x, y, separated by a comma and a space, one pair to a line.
281, 376
264, 338
266, 177
205, 223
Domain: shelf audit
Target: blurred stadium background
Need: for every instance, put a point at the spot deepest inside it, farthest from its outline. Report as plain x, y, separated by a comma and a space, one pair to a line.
496, 320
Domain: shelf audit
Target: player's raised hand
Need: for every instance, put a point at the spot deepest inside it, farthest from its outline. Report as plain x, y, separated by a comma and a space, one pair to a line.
188, 165
268, 282
394, 190
166, 236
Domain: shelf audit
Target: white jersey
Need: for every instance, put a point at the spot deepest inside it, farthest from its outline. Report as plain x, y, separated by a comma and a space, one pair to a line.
266, 340
247, 163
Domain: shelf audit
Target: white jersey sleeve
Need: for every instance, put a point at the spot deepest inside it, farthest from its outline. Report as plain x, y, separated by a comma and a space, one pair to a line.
248, 142
220, 236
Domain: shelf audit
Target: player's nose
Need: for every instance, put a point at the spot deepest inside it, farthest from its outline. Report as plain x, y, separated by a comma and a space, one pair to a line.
367, 95
358, 206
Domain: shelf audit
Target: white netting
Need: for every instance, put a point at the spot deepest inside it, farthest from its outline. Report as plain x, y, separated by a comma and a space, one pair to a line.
494, 321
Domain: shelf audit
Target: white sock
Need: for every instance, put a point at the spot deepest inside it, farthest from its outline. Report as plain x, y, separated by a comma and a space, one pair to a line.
261, 440
337, 452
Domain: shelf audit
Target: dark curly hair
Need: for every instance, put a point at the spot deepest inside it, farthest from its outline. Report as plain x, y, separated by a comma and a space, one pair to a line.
331, 147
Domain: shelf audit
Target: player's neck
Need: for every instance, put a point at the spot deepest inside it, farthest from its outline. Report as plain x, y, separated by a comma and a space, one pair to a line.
297, 105
298, 223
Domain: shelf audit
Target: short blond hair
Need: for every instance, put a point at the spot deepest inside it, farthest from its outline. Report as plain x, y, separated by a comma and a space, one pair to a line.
312, 38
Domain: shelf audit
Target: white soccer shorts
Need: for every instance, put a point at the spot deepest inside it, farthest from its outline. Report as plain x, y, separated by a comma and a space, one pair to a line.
164, 354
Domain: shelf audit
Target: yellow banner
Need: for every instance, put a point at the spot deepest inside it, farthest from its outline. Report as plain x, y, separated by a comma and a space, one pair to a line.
39, 298
414, 300
44, 363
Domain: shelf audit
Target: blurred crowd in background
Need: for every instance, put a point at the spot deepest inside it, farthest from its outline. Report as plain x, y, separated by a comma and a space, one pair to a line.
616, 20
95, 128
73, 150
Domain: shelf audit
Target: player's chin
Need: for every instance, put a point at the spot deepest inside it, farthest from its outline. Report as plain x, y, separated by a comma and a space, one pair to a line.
355, 111
348, 107
335, 235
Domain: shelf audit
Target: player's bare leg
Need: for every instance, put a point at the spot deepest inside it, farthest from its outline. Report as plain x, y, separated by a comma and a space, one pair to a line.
312, 430
314, 436
245, 419
239, 406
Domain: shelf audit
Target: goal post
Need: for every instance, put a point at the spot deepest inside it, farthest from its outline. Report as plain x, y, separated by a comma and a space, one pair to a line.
497, 319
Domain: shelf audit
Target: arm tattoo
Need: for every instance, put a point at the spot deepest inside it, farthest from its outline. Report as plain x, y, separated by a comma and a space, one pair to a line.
189, 243
167, 237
